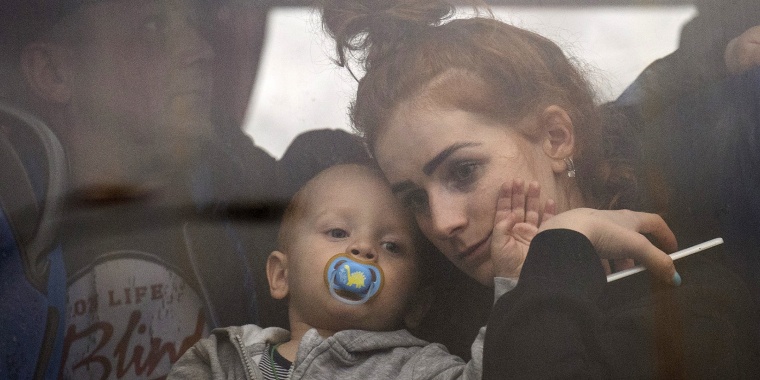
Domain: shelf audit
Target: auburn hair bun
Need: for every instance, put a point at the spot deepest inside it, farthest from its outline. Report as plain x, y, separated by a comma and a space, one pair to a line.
373, 27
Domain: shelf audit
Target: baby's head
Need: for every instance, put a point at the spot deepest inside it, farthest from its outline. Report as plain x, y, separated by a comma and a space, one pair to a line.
346, 209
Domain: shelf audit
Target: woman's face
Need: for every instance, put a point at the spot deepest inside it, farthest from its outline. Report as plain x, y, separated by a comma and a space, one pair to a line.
448, 165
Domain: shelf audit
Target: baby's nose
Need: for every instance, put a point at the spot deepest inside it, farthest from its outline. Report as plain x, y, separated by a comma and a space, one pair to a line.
363, 251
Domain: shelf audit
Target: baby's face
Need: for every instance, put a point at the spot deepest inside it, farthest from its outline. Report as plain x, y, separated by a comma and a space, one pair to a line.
350, 209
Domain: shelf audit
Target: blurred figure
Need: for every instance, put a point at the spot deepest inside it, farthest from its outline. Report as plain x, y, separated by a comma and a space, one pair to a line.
697, 111
238, 39
743, 52
154, 260
720, 42
126, 86
702, 59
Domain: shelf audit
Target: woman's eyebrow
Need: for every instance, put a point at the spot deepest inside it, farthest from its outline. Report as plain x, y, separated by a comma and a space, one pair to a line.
433, 164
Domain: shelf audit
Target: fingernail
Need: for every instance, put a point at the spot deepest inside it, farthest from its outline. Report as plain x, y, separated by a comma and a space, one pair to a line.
676, 279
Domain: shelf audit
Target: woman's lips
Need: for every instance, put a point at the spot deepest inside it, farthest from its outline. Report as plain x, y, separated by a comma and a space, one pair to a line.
474, 250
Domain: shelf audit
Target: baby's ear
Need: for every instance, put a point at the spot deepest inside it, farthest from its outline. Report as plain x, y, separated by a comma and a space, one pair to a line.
419, 305
277, 274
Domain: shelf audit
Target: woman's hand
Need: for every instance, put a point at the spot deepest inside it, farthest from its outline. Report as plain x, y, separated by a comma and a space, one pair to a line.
515, 224
618, 234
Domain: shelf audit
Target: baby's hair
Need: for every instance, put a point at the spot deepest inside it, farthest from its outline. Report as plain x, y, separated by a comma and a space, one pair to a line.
294, 209
292, 213
413, 48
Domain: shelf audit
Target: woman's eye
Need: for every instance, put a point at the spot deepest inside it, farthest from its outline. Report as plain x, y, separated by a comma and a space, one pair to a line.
391, 247
464, 171
462, 175
337, 233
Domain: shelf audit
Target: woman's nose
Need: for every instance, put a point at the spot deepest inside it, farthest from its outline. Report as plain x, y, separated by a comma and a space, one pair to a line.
363, 250
447, 216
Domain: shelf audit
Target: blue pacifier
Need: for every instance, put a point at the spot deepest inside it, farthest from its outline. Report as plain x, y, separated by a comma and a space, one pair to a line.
351, 281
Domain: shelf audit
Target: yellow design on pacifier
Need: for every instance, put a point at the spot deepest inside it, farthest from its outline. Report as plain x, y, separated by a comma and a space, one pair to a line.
352, 281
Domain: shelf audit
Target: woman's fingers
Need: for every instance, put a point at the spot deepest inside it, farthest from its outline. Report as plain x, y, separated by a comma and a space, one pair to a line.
657, 262
655, 226
622, 264
619, 234
606, 266
635, 245
662, 266
655, 248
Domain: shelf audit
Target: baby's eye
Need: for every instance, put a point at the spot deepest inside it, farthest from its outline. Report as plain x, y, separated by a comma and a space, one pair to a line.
391, 247
337, 233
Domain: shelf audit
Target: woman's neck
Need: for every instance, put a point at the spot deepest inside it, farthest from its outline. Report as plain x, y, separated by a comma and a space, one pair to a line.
570, 196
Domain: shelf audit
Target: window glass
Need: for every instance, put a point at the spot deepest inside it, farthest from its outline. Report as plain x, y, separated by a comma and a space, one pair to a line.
614, 43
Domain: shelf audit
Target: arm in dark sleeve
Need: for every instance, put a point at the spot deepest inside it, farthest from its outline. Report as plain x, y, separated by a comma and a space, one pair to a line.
564, 321
545, 327
696, 64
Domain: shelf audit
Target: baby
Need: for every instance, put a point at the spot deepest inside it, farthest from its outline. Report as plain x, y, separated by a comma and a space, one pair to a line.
350, 267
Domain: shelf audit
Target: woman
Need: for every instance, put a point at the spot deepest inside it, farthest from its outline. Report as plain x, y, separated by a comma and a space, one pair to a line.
460, 115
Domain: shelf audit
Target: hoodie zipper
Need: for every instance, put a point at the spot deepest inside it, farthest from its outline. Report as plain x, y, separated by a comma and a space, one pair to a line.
244, 358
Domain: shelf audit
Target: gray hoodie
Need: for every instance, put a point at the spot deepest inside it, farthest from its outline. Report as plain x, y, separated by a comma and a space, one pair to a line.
235, 352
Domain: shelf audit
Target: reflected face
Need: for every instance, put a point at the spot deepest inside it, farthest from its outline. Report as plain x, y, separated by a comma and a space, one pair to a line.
238, 40
141, 78
448, 165
350, 209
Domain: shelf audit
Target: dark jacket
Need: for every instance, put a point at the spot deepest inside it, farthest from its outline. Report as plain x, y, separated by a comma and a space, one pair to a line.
563, 320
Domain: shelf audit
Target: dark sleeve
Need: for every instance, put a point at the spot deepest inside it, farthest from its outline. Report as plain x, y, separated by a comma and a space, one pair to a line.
545, 327
697, 63
564, 321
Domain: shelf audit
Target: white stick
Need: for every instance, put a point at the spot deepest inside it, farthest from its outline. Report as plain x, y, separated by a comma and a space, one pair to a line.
675, 256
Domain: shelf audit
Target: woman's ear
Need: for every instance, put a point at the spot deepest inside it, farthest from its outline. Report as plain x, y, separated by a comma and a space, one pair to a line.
42, 65
277, 274
559, 136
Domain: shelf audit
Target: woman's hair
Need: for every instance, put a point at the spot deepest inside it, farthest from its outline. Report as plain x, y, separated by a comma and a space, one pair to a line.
410, 48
